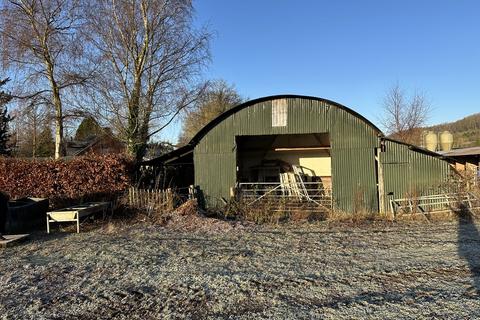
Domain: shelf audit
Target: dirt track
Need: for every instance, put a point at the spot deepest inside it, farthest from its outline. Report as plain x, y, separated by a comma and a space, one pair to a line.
378, 271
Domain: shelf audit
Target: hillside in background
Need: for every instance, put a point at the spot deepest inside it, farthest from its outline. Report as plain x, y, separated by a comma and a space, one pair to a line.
466, 132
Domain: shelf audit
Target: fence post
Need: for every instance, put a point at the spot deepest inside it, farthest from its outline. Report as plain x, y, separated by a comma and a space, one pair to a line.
392, 208
134, 196
169, 199
468, 200
130, 196
151, 199
191, 192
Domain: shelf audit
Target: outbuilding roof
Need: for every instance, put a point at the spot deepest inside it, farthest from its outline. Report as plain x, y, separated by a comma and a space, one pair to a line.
472, 151
423, 150
172, 155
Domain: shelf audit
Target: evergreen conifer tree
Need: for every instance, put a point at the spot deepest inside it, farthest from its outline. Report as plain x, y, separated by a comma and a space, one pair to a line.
88, 129
46, 144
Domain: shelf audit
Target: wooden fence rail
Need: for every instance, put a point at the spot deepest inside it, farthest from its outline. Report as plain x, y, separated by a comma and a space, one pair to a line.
151, 199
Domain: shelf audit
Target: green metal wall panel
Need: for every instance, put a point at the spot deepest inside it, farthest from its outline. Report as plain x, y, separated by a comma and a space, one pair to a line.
353, 142
410, 172
354, 179
215, 175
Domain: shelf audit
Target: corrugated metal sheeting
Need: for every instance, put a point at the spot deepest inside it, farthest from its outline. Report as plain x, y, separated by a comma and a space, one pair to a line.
411, 173
353, 143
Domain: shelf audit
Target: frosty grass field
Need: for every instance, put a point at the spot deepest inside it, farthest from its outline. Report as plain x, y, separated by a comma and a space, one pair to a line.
384, 271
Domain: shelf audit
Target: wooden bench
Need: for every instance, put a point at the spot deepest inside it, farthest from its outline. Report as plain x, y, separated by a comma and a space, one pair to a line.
75, 213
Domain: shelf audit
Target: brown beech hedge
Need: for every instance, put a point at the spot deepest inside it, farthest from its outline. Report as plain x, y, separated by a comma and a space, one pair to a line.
64, 181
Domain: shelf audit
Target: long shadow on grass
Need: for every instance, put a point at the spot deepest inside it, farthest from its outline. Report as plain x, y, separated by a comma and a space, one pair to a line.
469, 245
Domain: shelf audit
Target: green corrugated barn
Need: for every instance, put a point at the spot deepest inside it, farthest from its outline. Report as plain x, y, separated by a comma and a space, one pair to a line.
257, 140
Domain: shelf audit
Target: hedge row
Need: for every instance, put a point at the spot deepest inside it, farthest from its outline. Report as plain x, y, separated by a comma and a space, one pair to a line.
82, 178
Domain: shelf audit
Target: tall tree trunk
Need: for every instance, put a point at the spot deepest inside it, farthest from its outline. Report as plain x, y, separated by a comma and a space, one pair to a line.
134, 122
133, 128
34, 136
144, 126
59, 145
57, 103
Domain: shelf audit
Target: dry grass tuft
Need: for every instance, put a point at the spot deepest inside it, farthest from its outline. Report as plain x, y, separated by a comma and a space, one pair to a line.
110, 228
274, 212
190, 217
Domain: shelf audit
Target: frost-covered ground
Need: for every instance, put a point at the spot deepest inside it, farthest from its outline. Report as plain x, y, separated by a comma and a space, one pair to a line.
292, 272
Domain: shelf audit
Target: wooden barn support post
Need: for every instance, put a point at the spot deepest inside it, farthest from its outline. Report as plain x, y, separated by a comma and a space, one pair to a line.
381, 185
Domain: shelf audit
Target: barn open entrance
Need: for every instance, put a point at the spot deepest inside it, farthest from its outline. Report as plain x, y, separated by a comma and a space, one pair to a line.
295, 167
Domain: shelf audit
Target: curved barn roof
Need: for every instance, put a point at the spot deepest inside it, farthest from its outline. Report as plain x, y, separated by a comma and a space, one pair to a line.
204, 131
188, 148
246, 104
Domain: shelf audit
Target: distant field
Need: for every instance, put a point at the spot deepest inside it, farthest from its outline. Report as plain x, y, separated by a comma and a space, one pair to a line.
376, 271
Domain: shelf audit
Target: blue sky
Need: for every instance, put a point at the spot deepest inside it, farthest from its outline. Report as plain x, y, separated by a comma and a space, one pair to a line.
351, 52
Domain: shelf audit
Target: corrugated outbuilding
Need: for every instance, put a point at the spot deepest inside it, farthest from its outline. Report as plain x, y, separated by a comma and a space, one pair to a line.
341, 148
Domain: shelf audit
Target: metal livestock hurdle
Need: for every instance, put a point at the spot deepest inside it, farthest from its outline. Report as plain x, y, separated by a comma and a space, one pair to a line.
432, 203
282, 192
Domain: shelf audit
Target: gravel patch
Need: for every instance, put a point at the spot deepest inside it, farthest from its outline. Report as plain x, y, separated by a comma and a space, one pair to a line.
378, 271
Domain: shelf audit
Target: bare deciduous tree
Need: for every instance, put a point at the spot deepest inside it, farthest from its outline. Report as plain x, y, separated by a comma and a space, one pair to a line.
217, 98
41, 42
151, 57
403, 116
31, 119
